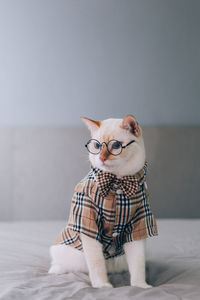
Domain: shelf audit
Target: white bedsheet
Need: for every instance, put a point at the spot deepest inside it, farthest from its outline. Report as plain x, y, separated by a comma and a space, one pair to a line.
173, 265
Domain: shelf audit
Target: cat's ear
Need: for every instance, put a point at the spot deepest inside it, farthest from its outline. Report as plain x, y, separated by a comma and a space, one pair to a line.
129, 123
91, 124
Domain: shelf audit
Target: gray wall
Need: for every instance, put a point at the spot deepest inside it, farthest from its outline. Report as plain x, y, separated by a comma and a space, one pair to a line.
60, 59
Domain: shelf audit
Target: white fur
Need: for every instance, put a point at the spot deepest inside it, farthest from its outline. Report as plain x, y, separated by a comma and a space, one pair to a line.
135, 254
68, 259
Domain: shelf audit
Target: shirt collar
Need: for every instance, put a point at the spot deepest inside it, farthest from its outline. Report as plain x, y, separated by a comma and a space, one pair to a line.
140, 175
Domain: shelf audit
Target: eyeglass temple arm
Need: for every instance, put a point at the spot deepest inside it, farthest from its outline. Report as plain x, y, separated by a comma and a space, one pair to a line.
128, 144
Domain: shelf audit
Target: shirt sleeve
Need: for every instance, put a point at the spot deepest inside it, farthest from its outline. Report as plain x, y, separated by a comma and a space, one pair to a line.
83, 214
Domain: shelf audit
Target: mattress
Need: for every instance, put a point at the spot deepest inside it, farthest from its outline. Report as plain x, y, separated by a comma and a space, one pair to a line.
173, 265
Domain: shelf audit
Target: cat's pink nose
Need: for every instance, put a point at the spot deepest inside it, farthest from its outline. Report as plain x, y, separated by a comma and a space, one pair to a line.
102, 158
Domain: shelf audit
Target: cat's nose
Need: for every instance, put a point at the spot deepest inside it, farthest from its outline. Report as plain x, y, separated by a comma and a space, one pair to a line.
102, 158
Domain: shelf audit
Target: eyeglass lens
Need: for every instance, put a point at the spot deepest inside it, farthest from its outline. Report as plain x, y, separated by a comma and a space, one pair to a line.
94, 146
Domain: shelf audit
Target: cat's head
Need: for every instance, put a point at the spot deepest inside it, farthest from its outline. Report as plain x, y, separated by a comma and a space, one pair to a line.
131, 159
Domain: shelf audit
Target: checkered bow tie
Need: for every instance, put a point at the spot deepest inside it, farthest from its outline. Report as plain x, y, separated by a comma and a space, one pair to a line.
107, 181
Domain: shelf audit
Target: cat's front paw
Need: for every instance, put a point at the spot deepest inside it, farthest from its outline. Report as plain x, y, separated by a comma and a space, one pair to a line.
142, 285
102, 285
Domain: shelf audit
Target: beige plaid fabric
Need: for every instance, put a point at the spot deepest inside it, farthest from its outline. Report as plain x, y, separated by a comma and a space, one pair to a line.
112, 216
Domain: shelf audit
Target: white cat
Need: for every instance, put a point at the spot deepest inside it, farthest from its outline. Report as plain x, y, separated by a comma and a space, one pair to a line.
128, 158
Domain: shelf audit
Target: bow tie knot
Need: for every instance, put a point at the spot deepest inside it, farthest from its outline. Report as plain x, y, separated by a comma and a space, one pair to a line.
108, 181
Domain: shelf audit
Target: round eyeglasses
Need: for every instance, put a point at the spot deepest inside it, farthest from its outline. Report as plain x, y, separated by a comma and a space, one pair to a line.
114, 147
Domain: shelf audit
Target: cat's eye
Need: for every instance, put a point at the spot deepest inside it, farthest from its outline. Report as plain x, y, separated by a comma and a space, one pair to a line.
116, 145
97, 145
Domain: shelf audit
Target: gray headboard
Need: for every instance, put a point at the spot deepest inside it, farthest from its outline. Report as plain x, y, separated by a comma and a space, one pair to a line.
39, 168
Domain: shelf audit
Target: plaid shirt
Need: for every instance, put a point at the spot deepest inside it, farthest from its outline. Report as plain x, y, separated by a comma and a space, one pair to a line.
114, 218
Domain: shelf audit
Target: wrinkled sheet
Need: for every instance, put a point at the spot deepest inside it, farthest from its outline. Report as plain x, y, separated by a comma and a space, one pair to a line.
173, 265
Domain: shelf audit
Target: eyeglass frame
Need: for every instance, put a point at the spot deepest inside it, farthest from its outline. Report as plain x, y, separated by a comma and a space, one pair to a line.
100, 144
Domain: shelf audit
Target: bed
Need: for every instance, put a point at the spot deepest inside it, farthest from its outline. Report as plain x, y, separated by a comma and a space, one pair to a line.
173, 265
